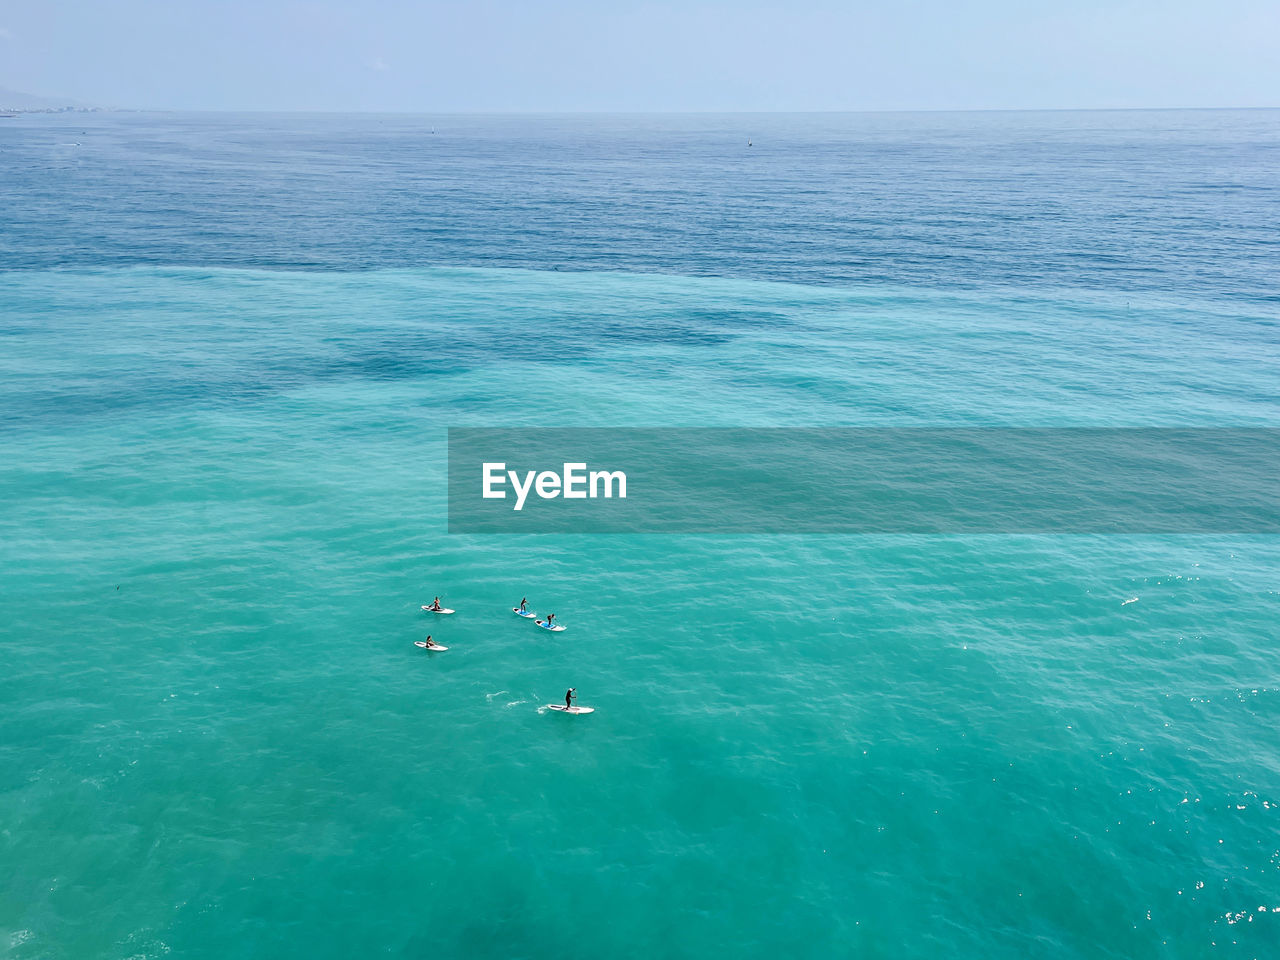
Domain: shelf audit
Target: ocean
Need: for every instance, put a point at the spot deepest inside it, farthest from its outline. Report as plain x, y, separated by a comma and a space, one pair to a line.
230, 349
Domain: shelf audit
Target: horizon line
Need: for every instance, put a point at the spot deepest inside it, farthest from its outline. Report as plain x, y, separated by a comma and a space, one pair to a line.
610, 112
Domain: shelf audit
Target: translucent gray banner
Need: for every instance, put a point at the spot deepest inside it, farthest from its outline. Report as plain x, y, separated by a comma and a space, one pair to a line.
864, 480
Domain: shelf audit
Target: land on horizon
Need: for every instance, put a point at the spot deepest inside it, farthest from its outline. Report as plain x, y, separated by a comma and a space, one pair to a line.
15, 101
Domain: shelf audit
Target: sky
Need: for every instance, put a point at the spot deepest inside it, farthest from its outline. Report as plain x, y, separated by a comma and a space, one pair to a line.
623, 55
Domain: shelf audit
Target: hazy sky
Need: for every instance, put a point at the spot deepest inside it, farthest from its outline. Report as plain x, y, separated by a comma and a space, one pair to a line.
564, 55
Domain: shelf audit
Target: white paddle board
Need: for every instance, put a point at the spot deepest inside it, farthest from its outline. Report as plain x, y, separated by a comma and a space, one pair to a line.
563, 709
556, 629
429, 646
523, 613
427, 607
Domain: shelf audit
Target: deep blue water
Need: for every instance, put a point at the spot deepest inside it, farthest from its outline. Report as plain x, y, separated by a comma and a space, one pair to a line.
1160, 202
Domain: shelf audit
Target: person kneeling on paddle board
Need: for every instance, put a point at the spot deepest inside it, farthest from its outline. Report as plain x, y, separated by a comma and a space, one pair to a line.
568, 697
435, 604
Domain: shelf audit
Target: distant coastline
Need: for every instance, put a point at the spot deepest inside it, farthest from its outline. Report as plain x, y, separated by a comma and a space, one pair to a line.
15, 111
14, 102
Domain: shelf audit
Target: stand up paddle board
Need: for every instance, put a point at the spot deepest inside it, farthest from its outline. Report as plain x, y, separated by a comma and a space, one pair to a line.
523, 613
542, 623
429, 646
427, 607
563, 709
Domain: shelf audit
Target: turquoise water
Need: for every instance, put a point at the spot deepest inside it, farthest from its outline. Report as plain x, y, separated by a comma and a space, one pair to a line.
223, 490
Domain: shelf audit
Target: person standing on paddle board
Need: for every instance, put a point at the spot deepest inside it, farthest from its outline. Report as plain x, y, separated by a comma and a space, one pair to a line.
550, 617
523, 601
568, 697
